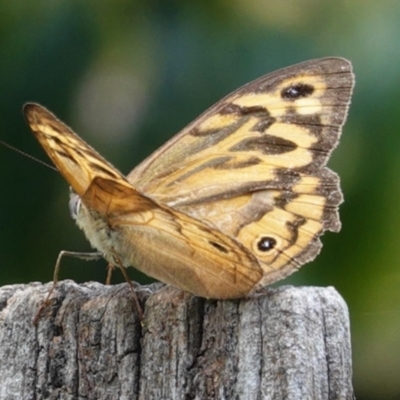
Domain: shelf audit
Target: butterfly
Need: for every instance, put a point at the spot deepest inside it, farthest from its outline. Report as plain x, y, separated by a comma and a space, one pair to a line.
235, 201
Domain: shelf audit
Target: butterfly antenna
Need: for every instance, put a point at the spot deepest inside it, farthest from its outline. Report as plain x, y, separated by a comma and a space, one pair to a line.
28, 155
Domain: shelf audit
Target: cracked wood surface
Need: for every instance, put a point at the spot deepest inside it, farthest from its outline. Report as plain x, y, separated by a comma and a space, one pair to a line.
289, 343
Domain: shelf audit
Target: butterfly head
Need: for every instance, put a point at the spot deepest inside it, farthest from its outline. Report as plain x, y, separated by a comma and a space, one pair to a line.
75, 204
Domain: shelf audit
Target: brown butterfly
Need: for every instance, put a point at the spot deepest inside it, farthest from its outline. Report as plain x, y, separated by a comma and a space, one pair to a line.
235, 201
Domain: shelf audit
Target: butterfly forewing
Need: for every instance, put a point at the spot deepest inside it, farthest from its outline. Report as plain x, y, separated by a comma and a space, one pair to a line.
289, 120
76, 160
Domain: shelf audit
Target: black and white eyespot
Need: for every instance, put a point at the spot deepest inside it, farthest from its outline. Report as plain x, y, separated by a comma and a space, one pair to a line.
266, 244
74, 205
297, 91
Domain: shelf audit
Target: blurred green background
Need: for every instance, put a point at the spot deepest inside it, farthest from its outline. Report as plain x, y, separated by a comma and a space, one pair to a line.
127, 75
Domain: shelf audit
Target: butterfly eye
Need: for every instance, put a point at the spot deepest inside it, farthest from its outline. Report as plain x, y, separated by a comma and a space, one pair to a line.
74, 205
266, 243
297, 91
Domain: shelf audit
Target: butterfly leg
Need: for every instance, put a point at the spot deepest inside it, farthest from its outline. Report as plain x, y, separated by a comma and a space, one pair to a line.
82, 256
128, 280
135, 297
110, 270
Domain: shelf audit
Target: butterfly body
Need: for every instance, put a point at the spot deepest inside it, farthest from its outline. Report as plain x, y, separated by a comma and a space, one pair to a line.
235, 201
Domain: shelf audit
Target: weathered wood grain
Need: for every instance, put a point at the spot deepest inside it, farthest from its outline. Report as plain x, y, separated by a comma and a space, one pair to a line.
290, 343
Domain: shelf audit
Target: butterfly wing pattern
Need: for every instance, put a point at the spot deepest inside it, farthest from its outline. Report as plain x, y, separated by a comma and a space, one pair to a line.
235, 201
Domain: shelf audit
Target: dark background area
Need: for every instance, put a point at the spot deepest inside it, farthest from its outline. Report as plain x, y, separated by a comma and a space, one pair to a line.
127, 75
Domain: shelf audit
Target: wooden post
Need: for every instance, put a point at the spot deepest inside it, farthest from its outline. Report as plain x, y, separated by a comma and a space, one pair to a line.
289, 343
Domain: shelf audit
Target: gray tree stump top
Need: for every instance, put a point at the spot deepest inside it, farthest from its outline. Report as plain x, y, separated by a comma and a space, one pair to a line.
290, 343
